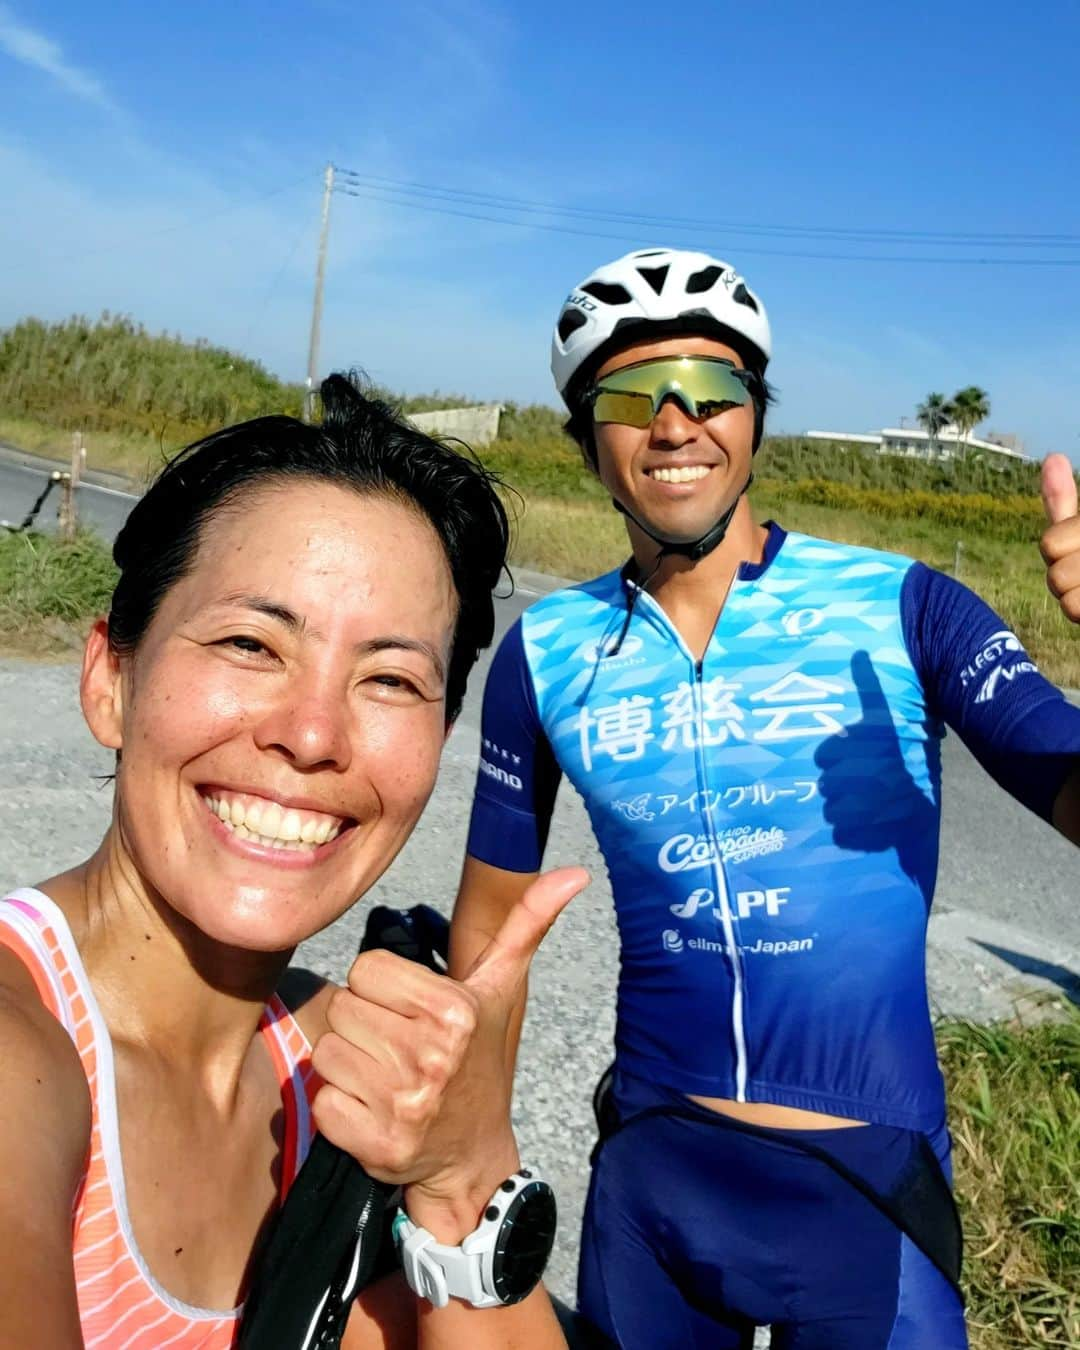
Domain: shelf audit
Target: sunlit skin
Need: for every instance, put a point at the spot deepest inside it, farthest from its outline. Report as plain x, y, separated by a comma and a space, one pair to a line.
319, 686
723, 444
292, 664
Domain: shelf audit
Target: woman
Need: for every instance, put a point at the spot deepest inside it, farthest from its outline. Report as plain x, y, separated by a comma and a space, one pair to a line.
288, 644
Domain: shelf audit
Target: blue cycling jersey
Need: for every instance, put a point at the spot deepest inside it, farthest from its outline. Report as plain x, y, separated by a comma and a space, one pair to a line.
769, 815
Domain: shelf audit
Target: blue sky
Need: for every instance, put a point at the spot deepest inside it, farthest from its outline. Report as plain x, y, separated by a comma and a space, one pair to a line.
166, 162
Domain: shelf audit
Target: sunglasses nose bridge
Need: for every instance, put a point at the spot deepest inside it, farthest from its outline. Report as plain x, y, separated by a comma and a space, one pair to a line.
673, 389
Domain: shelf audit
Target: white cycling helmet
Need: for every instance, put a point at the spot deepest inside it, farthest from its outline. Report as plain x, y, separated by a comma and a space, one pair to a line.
654, 292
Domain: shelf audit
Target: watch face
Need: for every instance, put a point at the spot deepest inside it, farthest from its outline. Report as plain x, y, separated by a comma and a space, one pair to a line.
524, 1242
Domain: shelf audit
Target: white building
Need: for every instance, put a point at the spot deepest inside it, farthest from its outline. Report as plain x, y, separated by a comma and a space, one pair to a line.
915, 443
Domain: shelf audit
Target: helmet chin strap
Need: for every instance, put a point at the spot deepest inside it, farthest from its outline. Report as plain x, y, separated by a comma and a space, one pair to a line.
697, 548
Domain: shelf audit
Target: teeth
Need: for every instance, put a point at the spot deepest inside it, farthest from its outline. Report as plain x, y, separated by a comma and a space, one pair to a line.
274, 826
680, 474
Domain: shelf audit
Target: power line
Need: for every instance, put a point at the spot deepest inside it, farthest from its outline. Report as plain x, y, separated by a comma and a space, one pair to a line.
384, 195
468, 197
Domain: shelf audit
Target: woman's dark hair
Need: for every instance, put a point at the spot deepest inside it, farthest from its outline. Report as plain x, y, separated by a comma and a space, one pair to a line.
361, 444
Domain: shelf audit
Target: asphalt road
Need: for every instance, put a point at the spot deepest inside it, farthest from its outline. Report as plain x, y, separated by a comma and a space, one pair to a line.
1007, 918
102, 507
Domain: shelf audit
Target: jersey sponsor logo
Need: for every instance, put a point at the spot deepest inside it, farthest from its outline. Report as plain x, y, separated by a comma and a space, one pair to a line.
994, 663
606, 648
494, 752
637, 808
709, 713
687, 852
761, 947
615, 654
648, 805
673, 942
746, 902
796, 622
501, 775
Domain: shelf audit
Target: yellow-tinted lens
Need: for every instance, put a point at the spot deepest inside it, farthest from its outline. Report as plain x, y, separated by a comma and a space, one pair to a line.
629, 409
704, 385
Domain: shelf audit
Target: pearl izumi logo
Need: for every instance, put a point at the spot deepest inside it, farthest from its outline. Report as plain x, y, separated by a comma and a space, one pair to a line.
996, 662
613, 652
796, 622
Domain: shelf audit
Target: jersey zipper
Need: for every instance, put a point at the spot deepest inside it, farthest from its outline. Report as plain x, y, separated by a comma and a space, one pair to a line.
727, 915
723, 894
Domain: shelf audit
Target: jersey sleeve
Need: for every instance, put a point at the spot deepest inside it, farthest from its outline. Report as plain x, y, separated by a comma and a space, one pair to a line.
981, 682
517, 777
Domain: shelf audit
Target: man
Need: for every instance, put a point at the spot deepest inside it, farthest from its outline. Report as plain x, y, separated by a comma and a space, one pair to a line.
753, 719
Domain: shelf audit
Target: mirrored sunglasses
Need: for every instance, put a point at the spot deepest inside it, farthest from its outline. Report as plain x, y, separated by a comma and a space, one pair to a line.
704, 385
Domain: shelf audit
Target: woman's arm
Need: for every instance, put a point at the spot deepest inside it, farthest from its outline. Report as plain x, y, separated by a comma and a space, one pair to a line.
44, 1136
417, 1085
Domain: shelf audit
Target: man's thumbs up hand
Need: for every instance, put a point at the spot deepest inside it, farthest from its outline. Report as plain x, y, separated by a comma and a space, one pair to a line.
1060, 545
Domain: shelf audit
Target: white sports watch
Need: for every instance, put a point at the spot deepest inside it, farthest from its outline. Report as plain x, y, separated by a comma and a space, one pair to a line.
500, 1262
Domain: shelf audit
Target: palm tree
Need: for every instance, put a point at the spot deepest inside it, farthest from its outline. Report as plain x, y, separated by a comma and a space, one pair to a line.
970, 406
933, 414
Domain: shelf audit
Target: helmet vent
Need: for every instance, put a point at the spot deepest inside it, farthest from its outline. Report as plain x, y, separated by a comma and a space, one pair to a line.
655, 276
607, 292
569, 322
704, 280
743, 297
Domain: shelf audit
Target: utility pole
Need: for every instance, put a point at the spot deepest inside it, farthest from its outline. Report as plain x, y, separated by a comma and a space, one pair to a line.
316, 309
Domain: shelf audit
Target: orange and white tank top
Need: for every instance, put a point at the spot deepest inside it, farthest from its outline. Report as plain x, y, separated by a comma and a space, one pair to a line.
121, 1304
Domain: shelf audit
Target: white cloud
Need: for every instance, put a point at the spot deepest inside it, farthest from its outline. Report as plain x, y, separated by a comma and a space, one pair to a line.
34, 49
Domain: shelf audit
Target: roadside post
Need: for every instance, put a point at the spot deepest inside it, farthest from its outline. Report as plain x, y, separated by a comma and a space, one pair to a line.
69, 482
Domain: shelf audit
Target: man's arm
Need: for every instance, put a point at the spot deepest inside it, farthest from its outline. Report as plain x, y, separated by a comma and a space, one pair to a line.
515, 795
1060, 547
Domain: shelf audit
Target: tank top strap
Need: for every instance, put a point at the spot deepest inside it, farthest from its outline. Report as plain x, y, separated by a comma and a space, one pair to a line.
290, 1052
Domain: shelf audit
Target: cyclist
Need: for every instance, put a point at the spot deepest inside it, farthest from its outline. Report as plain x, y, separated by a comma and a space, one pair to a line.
277, 686
753, 718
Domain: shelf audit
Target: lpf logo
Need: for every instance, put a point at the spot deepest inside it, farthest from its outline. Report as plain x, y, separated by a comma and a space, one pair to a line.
746, 903
796, 622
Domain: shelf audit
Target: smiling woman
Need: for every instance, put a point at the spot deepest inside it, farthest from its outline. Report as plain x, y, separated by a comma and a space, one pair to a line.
296, 617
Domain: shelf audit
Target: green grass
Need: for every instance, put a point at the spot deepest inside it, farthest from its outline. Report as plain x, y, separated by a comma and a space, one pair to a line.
51, 591
583, 537
1014, 1096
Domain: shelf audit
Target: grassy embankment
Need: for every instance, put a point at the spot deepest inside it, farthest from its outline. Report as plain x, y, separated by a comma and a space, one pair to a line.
1014, 1089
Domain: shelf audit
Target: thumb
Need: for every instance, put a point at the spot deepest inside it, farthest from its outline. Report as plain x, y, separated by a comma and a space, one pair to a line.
1058, 489
504, 962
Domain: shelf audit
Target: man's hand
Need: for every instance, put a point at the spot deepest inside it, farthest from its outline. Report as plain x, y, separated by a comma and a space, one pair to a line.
1060, 544
415, 1066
